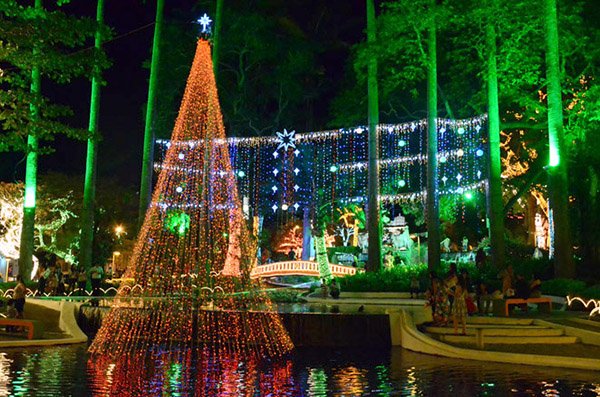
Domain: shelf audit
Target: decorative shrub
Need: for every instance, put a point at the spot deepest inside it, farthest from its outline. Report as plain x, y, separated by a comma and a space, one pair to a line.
563, 287
392, 280
284, 295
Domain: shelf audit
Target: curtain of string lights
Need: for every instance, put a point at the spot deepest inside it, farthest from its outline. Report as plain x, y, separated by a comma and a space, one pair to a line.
282, 172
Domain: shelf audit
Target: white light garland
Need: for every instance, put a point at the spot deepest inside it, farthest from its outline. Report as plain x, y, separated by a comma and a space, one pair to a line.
394, 129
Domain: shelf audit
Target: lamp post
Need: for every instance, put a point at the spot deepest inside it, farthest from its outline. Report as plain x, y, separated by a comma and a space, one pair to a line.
115, 254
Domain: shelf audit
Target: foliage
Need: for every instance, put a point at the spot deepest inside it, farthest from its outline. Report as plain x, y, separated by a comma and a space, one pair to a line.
52, 42
392, 280
53, 213
592, 292
563, 287
284, 295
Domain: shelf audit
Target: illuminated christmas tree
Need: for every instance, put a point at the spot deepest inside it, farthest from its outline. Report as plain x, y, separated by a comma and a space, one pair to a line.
193, 256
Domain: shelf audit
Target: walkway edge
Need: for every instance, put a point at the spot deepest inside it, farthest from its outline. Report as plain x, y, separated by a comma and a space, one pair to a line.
405, 333
67, 323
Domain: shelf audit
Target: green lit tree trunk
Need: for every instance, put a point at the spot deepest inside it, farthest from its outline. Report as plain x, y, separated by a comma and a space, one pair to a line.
374, 262
27, 230
89, 189
217, 38
146, 182
322, 259
433, 210
557, 171
494, 200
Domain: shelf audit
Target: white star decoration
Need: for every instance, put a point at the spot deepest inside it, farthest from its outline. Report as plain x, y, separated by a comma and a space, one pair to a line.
205, 21
296, 187
296, 206
296, 171
274, 189
286, 139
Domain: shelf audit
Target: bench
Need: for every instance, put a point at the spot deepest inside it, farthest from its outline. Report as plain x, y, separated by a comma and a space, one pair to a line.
519, 301
35, 328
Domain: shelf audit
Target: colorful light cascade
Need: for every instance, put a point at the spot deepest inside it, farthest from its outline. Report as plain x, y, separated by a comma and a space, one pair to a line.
195, 373
193, 255
335, 162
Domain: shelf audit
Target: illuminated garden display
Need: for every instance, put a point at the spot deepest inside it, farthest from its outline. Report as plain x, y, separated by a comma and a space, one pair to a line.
193, 255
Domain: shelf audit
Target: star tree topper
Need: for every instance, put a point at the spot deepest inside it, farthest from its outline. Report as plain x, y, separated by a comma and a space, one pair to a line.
205, 21
286, 139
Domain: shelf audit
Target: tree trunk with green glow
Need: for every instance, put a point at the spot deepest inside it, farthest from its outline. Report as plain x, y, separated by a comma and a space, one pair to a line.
27, 230
564, 266
495, 210
322, 259
433, 210
89, 189
217, 38
374, 261
146, 181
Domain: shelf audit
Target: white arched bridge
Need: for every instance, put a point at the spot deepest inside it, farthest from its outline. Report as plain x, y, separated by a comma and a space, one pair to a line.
298, 268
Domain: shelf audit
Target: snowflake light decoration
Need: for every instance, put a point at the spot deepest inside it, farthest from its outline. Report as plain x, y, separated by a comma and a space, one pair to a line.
205, 21
286, 139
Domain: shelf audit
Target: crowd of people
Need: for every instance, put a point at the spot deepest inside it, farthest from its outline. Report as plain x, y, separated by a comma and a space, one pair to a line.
59, 280
455, 296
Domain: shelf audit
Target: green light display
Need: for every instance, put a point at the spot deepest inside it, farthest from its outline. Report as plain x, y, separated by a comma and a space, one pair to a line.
554, 155
30, 196
177, 222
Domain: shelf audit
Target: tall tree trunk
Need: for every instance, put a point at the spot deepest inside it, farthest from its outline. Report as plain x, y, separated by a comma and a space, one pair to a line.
306, 235
322, 259
433, 210
374, 262
564, 265
494, 200
217, 39
146, 181
89, 189
28, 227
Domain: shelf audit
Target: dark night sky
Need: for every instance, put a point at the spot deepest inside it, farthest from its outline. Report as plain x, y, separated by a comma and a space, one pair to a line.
124, 96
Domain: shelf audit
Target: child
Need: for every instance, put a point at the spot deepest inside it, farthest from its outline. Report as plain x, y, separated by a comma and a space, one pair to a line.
459, 307
414, 287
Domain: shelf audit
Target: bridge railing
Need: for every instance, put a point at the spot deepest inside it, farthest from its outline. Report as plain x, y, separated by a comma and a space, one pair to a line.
301, 268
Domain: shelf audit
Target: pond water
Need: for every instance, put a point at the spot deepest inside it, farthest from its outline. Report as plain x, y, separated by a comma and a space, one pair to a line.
68, 371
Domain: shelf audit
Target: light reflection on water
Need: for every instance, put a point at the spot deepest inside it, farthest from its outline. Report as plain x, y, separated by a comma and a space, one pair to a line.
67, 371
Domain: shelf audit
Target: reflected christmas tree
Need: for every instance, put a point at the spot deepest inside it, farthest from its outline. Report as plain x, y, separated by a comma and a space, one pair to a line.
192, 261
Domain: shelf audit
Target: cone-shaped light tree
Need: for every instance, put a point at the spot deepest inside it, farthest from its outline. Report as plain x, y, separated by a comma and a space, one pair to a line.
192, 260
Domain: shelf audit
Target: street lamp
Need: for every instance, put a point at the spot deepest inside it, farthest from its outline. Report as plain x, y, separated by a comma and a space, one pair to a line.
119, 230
114, 257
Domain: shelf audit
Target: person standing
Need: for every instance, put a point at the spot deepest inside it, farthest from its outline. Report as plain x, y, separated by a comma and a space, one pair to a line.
459, 307
96, 273
19, 296
334, 289
81, 281
42, 277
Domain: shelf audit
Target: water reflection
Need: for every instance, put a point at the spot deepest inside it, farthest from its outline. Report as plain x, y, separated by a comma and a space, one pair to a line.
61, 371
